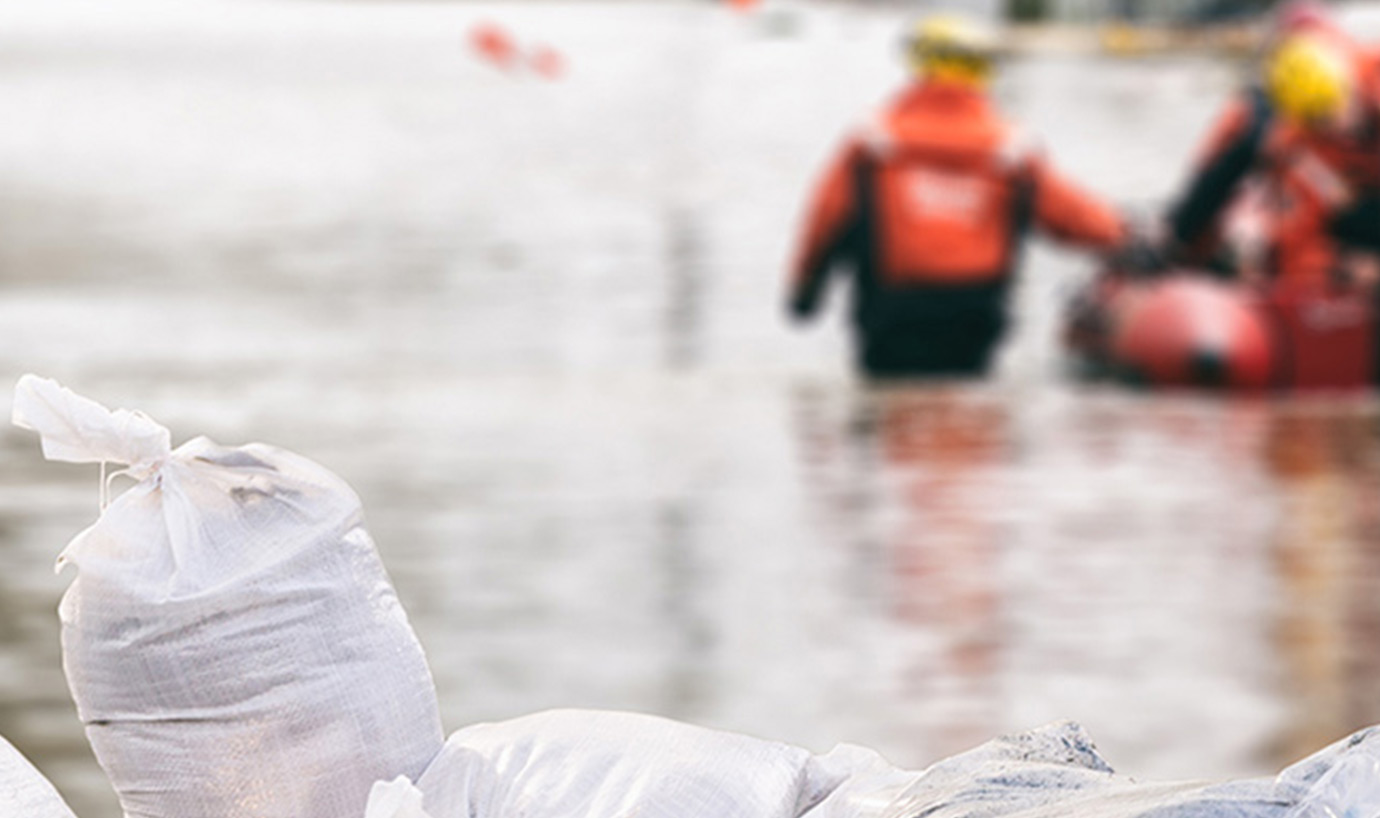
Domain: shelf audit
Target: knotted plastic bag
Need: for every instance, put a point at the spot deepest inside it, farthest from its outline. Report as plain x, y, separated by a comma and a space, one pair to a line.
233, 644
24, 792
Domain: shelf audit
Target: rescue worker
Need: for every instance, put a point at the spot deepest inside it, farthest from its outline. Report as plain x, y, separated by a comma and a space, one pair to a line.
1302, 148
930, 206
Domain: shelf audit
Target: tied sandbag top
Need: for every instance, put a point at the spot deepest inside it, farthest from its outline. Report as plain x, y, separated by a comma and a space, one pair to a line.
200, 516
75, 429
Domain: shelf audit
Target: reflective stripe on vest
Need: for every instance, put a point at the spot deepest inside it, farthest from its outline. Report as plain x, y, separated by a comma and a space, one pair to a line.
1320, 179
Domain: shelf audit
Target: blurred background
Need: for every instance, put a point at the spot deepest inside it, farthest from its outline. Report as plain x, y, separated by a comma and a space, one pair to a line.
515, 270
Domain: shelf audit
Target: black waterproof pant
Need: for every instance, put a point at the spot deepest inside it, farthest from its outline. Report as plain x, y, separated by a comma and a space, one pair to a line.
930, 331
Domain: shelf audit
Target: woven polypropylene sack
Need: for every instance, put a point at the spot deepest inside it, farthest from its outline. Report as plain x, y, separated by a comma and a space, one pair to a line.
24, 792
233, 644
1055, 772
598, 764
1339, 781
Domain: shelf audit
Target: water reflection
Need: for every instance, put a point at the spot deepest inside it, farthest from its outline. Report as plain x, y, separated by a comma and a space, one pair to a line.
1152, 567
1327, 553
685, 282
945, 551
911, 482
688, 684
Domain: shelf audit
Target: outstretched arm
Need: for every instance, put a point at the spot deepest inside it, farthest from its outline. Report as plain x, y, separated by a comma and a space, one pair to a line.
1072, 215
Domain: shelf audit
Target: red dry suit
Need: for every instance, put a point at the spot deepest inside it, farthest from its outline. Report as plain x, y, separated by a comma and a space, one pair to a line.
930, 204
1312, 195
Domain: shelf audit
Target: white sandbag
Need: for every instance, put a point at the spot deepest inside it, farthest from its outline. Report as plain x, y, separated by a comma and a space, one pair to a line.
24, 792
593, 764
233, 644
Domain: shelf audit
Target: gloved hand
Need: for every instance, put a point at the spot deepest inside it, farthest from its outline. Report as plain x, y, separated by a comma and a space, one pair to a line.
803, 302
1139, 257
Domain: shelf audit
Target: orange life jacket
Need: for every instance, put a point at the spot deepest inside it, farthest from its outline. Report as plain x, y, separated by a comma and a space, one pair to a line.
948, 189
1313, 177
944, 175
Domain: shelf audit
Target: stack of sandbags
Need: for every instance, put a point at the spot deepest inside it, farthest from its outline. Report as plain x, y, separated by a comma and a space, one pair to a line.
233, 644
24, 792
574, 764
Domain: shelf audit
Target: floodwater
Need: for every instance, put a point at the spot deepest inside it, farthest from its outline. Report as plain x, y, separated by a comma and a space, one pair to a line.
536, 324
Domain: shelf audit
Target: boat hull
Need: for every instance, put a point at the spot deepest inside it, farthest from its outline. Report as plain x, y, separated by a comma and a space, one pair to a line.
1190, 331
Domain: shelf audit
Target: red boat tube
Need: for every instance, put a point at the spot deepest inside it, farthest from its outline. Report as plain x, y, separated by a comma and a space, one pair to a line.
1194, 332
1188, 330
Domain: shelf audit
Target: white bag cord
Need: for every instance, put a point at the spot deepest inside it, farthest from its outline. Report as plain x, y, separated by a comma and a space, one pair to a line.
75, 429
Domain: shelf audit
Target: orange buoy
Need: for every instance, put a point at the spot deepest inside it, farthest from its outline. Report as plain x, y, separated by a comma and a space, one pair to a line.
548, 62
494, 45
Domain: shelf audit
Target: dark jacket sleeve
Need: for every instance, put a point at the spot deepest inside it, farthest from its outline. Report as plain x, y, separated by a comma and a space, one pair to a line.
1232, 152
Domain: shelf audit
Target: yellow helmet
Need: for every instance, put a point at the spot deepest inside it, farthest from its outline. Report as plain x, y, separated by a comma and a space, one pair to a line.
1309, 80
954, 49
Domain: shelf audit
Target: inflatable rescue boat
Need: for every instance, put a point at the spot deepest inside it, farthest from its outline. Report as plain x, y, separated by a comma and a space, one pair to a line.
1188, 329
